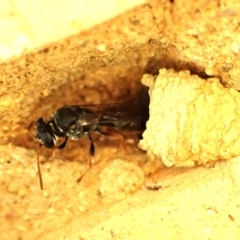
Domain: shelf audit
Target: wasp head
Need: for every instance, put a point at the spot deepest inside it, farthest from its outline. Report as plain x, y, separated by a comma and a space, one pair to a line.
45, 134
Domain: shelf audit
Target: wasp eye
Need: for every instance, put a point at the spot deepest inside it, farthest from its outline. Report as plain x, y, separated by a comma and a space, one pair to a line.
44, 133
46, 139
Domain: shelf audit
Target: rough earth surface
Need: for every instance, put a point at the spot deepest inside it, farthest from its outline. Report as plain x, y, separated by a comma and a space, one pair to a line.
105, 63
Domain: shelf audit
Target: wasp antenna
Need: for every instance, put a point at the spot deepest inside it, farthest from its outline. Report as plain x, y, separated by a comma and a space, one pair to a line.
30, 130
39, 169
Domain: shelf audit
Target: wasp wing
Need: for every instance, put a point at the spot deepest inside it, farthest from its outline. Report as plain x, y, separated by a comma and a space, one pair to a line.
128, 116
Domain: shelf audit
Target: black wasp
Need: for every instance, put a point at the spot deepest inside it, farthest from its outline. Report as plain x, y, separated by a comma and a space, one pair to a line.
77, 121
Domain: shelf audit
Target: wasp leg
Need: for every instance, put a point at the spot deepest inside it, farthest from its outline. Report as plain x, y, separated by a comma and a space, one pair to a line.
63, 145
60, 147
91, 155
112, 133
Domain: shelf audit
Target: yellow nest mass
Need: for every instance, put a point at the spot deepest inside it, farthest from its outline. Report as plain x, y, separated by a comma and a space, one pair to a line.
191, 120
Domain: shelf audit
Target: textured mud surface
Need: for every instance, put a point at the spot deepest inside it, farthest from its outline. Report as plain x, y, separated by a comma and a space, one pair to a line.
106, 64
